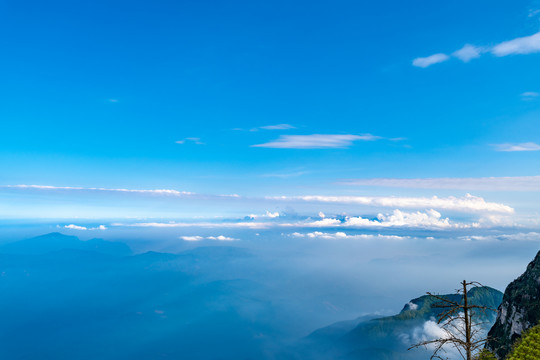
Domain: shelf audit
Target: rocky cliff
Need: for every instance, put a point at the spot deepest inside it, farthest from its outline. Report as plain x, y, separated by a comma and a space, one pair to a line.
519, 310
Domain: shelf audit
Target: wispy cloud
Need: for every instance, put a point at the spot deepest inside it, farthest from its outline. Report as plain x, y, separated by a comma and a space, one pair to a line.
528, 146
286, 175
193, 140
74, 188
530, 236
277, 127
521, 45
424, 62
467, 203
509, 183
468, 52
268, 127
529, 95
210, 225
316, 141
533, 12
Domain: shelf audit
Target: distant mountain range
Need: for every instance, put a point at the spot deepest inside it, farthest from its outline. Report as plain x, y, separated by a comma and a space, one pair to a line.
56, 241
95, 299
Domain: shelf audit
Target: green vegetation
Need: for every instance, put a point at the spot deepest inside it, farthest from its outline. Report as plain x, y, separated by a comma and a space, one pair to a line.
485, 355
528, 347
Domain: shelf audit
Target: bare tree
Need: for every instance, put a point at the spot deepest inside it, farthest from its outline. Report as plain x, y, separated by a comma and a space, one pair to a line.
461, 322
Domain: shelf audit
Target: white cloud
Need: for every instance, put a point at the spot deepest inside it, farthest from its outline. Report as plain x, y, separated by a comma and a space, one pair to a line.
268, 214
529, 95
194, 140
508, 183
341, 235
528, 146
191, 238
468, 52
412, 306
424, 62
69, 188
522, 45
467, 203
199, 238
277, 127
316, 141
429, 219
221, 238
77, 227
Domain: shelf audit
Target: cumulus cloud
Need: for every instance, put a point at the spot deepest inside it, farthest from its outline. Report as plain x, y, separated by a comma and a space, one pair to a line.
199, 238
429, 219
508, 183
78, 227
424, 62
528, 146
468, 52
316, 141
412, 306
467, 203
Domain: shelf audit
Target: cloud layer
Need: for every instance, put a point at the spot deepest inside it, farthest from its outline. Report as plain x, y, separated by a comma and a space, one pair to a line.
467, 203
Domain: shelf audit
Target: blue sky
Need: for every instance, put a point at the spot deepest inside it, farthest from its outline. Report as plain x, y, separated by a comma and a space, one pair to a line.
261, 99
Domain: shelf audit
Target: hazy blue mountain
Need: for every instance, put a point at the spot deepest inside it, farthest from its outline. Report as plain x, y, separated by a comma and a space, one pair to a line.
56, 241
519, 311
72, 303
387, 337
